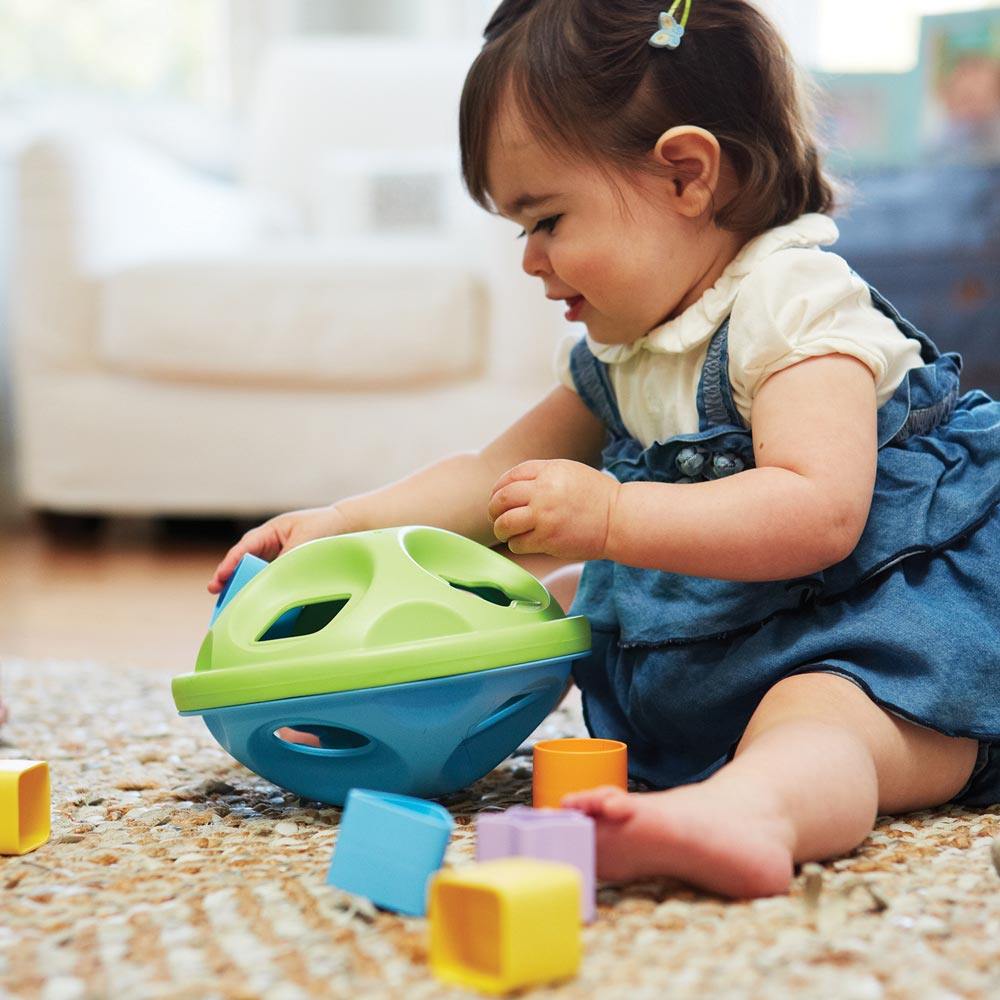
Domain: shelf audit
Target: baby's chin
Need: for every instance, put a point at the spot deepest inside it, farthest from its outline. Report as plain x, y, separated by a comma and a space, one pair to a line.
610, 337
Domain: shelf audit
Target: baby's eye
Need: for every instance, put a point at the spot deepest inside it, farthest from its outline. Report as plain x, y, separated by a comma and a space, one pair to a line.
548, 225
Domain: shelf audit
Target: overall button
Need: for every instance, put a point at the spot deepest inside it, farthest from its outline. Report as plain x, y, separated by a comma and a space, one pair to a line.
726, 464
691, 461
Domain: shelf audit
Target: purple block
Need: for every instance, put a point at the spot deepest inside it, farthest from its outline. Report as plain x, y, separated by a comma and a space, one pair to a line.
548, 834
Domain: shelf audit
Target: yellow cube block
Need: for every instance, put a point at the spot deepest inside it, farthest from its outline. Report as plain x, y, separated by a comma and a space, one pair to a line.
25, 805
505, 924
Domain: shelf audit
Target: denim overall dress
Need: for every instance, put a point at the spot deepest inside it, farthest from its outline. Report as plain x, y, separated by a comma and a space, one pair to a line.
679, 663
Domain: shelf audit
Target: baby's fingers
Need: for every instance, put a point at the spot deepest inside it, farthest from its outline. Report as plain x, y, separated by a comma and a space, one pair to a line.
224, 571
524, 471
256, 542
507, 498
606, 802
518, 521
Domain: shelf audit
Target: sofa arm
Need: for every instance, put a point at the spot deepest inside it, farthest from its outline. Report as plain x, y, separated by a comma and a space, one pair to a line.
90, 205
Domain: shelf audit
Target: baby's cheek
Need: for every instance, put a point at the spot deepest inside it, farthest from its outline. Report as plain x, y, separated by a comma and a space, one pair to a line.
585, 268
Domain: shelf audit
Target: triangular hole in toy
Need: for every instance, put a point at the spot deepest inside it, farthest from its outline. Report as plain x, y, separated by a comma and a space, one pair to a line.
492, 594
304, 620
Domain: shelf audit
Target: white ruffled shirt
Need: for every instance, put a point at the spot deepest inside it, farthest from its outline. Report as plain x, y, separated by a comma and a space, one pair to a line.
787, 300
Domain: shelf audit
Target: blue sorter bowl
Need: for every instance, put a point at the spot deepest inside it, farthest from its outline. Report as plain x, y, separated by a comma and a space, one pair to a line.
423, 738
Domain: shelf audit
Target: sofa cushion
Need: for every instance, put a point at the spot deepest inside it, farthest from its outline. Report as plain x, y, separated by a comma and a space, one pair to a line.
392, 319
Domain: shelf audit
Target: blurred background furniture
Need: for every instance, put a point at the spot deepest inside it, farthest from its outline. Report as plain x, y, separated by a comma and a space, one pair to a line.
928, 238
247, 278
339, 317
920, 149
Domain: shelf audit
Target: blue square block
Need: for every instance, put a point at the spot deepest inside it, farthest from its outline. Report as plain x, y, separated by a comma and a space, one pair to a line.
246, 569
388, 847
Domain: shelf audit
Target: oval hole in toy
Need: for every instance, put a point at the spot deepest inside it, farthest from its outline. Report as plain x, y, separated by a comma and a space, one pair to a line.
329, 739
493, 594
303, 620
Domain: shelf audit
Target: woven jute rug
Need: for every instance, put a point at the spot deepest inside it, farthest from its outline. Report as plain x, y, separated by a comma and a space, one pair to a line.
173, 872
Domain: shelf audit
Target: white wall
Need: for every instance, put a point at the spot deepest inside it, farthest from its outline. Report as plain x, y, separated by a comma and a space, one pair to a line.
7, 497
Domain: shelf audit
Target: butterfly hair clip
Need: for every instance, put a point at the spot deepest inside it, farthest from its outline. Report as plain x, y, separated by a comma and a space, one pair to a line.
671, 30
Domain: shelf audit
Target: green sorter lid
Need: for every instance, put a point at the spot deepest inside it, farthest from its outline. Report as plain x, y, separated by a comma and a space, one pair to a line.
375, 608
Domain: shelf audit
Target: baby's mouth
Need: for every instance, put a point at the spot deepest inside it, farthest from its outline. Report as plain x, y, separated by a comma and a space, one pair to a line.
576, 305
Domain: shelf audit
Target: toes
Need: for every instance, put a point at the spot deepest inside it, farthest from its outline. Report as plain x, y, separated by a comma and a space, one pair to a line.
620, 807
604, 802
294, 736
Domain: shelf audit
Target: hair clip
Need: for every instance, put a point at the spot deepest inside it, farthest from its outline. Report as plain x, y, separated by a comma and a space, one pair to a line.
671, 32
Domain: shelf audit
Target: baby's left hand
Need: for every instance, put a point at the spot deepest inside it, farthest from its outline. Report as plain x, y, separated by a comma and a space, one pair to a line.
558, 507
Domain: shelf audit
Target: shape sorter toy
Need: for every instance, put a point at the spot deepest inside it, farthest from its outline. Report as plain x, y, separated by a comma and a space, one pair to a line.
502, 925
415, 659
547, 834
25, 805
388, 847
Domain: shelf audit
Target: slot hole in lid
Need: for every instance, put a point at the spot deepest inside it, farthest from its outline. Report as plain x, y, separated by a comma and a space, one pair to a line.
494, 595
303, 620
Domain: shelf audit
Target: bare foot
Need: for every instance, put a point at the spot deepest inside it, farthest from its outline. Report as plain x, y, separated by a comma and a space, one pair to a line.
702, 834
295, 736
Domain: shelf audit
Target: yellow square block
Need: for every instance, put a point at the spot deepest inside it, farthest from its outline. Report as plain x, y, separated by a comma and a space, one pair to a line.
505, 924
25, 805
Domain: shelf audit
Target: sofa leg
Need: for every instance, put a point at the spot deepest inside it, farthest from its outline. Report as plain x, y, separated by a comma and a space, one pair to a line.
219, 530
64, 527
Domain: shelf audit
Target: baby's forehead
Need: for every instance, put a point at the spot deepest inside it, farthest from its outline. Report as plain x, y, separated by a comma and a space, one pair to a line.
516, 165
512, 140
519, 164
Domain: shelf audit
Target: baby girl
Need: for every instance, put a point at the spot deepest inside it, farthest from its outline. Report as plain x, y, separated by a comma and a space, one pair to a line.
762, 486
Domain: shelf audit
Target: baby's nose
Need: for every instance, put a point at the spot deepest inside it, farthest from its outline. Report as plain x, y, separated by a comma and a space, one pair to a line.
535, 261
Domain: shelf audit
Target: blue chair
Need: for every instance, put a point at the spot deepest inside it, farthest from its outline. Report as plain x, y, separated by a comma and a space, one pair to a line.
928, 238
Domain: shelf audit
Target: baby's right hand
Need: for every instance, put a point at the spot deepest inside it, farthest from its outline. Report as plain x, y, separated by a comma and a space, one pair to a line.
279, 534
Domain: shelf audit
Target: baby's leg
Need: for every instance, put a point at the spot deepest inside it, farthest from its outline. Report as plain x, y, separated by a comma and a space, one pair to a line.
818, 761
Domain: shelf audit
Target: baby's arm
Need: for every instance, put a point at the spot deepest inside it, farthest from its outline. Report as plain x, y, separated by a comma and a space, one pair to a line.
802, 509
452, 493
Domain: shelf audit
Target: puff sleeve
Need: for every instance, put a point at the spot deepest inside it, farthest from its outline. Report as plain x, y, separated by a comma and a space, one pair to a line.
560, 362
803, 303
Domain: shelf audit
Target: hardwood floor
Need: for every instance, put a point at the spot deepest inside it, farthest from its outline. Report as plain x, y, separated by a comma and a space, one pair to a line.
132, 596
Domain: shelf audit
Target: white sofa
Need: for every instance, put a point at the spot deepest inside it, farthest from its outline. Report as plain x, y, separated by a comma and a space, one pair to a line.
339, 317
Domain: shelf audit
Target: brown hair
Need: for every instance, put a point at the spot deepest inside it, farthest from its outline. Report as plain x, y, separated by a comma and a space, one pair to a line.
589, 86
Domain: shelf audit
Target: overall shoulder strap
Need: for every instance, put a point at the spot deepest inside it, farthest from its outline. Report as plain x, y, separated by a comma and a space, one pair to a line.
716, 405
928, 349
593, 383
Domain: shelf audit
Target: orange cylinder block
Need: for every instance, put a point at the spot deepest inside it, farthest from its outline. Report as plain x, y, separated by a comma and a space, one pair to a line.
564, 766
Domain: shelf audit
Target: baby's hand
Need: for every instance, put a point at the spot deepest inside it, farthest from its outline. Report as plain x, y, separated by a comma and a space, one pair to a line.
558, 507
278, 535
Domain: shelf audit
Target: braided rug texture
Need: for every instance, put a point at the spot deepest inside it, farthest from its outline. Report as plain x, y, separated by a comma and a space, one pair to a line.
174, 872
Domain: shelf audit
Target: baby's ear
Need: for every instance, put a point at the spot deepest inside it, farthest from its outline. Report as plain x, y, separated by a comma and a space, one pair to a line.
691, 158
